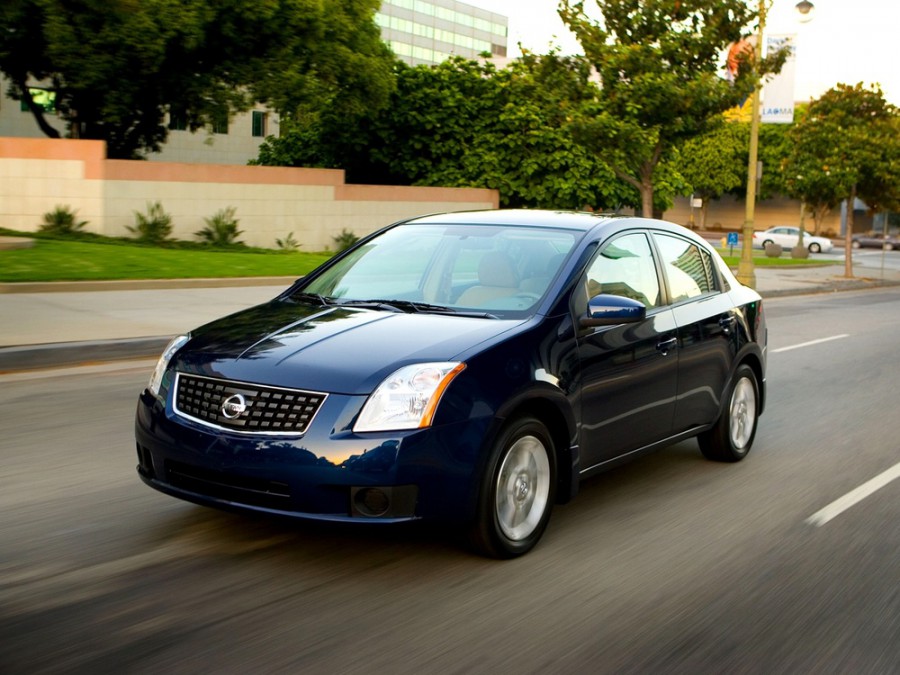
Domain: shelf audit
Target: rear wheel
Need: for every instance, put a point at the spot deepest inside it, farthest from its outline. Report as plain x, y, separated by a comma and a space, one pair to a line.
517, 491
730, 438
856, 244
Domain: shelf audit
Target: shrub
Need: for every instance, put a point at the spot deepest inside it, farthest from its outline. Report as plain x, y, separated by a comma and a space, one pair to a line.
344, 240
62, 220
154, 227
221, 229
288, 243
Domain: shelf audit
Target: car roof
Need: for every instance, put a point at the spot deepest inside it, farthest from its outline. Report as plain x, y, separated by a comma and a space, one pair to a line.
581, 221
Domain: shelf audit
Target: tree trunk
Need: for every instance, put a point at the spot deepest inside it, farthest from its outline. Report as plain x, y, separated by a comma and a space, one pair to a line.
848, 235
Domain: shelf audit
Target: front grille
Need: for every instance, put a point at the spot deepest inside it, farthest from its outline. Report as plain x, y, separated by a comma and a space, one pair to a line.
243, 407
230, 487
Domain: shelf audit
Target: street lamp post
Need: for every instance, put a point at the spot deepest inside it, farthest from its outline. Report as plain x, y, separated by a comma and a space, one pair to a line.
746, 273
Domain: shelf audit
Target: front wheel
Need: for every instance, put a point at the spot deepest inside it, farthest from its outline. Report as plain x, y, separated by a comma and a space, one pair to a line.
730, 438
517, 491
815, 248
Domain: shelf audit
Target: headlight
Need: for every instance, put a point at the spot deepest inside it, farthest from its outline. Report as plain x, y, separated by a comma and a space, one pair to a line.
408, 398
163, 363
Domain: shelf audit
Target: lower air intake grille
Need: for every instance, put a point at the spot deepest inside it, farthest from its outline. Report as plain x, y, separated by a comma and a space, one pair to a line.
244, 407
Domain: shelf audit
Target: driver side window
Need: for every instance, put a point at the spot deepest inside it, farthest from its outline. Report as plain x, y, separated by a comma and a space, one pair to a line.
625, 267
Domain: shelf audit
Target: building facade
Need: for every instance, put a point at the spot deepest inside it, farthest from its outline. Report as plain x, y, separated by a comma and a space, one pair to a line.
424, 32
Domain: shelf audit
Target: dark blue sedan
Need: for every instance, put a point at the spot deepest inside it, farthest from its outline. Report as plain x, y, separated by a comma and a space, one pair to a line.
465, 367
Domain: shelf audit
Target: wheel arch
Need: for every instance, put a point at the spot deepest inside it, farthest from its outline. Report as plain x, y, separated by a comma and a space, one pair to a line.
553, 410
754, 361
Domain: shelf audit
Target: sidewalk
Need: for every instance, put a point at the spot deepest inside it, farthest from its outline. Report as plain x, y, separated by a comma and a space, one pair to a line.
63, 324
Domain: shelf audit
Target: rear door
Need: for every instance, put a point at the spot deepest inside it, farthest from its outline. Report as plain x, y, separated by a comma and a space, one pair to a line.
706, 323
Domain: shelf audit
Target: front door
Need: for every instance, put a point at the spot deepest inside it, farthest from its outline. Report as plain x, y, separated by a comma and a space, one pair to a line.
628, 372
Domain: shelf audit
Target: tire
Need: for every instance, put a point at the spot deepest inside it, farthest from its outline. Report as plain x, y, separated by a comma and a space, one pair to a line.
815, 248
888, 247
730, 438
517, 491
766, 243
856, 244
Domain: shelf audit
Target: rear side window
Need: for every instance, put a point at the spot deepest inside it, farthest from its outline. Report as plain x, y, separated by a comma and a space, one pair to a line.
688, 268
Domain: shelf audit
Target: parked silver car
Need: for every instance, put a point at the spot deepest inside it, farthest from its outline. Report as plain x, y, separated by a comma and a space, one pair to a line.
788, 237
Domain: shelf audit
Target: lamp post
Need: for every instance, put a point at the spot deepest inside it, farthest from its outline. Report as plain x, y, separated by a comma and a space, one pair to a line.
746, 270
746, 273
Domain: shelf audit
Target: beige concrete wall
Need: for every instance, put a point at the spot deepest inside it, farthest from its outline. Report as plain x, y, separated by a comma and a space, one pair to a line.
728, 213
314, 204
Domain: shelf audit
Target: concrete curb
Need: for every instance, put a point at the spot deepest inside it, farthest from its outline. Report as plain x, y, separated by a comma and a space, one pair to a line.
141, 284
65, 354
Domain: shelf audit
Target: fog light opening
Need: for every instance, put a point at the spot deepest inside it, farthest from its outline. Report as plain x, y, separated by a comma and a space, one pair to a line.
371, 502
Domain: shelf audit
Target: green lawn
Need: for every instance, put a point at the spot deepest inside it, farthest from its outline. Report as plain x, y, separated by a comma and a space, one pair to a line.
760, 259
61, 260
99, 259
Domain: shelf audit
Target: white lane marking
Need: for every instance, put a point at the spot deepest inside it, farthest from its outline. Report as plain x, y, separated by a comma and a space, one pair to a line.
811, 343
838, 506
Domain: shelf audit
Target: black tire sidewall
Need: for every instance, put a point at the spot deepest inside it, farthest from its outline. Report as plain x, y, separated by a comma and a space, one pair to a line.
486, 534
716, 444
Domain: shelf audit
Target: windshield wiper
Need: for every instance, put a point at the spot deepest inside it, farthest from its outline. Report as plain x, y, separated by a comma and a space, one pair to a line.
389, 305
411, 307
314, 297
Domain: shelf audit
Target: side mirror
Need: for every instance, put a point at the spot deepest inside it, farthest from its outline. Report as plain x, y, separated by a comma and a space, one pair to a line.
609, 310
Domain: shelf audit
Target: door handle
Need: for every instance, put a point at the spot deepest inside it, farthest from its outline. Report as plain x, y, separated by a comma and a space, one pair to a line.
667, 345
727, 323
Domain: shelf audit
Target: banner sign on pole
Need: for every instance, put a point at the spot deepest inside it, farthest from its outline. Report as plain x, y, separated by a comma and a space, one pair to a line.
778, 93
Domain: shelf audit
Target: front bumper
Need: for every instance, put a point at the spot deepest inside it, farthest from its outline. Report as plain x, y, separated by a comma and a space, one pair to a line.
329, 473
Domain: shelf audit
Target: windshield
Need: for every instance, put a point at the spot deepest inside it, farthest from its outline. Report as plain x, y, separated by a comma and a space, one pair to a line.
454, 267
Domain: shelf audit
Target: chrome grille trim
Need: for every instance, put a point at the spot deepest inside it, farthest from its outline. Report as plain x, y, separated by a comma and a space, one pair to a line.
270, 411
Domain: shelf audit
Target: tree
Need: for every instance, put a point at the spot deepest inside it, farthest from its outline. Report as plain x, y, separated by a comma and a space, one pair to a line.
464, 123
117, 66
715, 162
846, 146
658, 65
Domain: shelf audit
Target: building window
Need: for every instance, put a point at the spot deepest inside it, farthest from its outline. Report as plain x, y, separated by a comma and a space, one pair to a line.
44, 98
220, 123
260, 124
177, 119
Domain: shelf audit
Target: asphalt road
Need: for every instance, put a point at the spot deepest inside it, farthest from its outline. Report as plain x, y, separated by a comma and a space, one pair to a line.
671, 564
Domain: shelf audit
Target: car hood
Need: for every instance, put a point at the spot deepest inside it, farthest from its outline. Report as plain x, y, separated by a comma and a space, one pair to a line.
347, 350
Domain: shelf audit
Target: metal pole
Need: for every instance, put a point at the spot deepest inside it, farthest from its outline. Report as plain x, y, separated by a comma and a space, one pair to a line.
746, 272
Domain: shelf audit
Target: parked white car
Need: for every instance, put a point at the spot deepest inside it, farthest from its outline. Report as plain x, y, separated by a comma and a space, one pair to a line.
788, 237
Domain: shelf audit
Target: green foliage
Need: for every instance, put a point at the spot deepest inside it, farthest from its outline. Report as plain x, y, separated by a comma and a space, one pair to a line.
466, 124
118, 67
154, 227
658, 62
288, 243
221, 229
846, 144
344, 240
62, 221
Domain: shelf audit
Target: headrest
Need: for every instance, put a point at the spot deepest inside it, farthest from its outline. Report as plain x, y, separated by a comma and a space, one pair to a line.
496, 269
